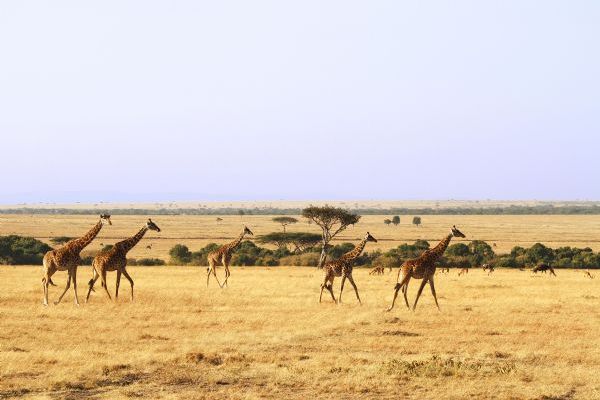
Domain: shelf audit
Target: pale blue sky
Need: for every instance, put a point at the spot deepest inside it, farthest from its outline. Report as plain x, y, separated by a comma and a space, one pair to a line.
261, 100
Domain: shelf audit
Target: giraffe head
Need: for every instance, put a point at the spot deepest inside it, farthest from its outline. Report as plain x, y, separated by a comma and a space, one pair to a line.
247, 231
456, 232
152, 226
370, 238
105, 217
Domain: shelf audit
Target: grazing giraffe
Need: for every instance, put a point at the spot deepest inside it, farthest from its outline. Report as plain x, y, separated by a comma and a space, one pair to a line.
67, 259
222, 256
343, 267
115, 259
588, 274
422, 267
543, 268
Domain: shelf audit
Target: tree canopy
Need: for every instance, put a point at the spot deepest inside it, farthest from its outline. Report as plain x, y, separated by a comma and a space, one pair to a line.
284, 221
332, 221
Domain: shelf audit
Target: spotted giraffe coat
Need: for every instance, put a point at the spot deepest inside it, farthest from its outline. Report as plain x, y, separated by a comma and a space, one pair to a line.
116, 257
67, 257
343, 266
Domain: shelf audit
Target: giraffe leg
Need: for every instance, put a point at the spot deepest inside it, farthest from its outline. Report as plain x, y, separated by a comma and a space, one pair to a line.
330, 288
95, 277
227, 273
397, 288
45, 287
212, 268
419, 292
405, 291
126, 274
103, 280
118, 283
341, 288
47, 279
355, 288
433, 292
75, 285
66, 288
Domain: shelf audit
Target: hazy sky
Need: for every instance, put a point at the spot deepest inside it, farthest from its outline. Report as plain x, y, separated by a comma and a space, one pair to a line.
264, 100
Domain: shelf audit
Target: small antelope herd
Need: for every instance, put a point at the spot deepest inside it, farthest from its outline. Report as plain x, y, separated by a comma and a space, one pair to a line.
67, 258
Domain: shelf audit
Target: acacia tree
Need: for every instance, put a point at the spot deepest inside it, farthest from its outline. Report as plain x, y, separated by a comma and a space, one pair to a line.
417, 221
332, 221
387, 221
396, 220
284, 221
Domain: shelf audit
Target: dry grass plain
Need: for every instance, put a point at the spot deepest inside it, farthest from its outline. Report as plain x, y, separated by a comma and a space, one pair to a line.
505, 336
506, 231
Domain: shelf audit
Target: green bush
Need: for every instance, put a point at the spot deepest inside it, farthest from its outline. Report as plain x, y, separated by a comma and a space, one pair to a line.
21, 250
180, 254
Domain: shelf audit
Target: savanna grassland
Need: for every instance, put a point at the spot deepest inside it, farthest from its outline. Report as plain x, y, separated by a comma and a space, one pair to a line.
510, 335
506, 231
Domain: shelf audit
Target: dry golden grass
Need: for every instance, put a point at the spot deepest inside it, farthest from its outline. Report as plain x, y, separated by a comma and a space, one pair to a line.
197, 231
505, 336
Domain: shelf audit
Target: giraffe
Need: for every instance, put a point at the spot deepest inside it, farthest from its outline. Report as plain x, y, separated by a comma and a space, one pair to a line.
66, 258
422, 267
115, 259
343, 267
463, 271
222, 256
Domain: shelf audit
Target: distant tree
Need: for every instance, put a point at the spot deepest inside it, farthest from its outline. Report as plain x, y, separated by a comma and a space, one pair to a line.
219, 220
60, 240
332, 221
396, 220
284, 221
241, 213
387, 221
416, 221
180, 254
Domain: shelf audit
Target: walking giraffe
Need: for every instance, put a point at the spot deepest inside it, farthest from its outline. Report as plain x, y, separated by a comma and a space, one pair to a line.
343, 267
222, 256
115, 259
67, 258
422, 267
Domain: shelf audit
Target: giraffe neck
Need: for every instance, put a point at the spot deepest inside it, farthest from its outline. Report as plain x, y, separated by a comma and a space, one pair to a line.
128, 244
438, 250
236, 242
355, 252
79, 244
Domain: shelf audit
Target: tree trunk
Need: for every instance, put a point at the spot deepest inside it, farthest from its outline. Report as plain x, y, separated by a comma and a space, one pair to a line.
322, 258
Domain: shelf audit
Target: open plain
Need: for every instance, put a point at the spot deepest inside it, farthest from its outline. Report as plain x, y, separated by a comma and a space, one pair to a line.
506, 231
510, 335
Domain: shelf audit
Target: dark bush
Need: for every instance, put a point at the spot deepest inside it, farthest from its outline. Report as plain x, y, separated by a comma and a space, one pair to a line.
21, 250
